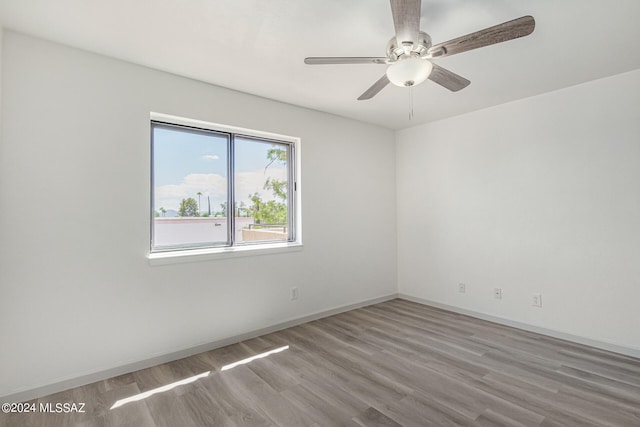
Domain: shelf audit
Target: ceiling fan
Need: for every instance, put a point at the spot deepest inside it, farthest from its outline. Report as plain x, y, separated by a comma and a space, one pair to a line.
410, 52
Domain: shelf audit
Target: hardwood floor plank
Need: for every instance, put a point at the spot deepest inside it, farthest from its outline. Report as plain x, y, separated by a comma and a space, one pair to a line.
237, 409
604, 386
607, 401
325, 413
489, 419
373, 417
600, 411
440, 338
203, 408
534, 399
132, 414
278, 409
419, 411
345, 369
167, 409
624, 374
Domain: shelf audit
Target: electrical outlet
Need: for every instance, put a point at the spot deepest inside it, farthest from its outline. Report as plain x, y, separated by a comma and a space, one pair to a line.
497, 293
536, 300
462, 288
294, 293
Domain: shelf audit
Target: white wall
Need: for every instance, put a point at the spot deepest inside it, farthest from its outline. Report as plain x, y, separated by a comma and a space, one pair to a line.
1, 35
81, 297
538, 195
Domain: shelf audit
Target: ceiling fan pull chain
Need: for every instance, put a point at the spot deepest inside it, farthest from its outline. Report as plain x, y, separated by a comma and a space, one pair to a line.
410, 102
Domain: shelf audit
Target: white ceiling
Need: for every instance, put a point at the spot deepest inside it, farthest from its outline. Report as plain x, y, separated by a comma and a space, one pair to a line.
258, 47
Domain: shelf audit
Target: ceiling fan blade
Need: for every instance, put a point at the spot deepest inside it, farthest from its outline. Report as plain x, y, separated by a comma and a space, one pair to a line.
406, 20
499, 33
322, 60
448, 79
375, 88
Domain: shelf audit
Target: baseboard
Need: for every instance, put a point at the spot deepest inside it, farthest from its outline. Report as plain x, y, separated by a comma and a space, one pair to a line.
627, 351
81, 380
65, 384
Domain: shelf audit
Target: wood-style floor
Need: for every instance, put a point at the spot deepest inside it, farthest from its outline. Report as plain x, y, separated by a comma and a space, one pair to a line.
395, 363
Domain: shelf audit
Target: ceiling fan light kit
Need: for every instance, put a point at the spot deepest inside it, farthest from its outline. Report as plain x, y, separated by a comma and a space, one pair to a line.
410, 52
409, 72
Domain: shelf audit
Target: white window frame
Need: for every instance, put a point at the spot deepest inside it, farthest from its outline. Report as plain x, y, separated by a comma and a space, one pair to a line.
262, 248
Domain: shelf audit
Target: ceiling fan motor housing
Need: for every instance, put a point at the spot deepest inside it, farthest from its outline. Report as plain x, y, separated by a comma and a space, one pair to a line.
395, 52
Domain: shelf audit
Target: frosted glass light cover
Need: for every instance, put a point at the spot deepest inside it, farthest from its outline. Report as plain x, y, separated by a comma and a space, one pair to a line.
409, 72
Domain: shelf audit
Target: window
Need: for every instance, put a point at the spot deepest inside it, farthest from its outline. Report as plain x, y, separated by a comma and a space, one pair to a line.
200, 170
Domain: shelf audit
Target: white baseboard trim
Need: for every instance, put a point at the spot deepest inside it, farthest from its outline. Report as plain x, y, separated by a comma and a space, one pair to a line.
81, 380
627, 351
44, 390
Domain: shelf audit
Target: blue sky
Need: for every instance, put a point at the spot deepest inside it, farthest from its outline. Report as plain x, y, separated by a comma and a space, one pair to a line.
177, 154
185, 163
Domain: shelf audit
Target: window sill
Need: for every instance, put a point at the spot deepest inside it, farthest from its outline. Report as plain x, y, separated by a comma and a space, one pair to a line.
209, 254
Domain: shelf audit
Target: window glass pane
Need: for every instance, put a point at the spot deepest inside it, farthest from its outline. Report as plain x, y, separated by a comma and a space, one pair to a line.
190, 181
261, 190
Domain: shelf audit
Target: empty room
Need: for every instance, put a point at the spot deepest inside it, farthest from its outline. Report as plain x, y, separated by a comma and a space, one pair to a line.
319, 213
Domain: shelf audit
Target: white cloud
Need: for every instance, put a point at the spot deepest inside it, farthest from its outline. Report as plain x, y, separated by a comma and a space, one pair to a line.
253, 182
215, 186
212, 185
210, 157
